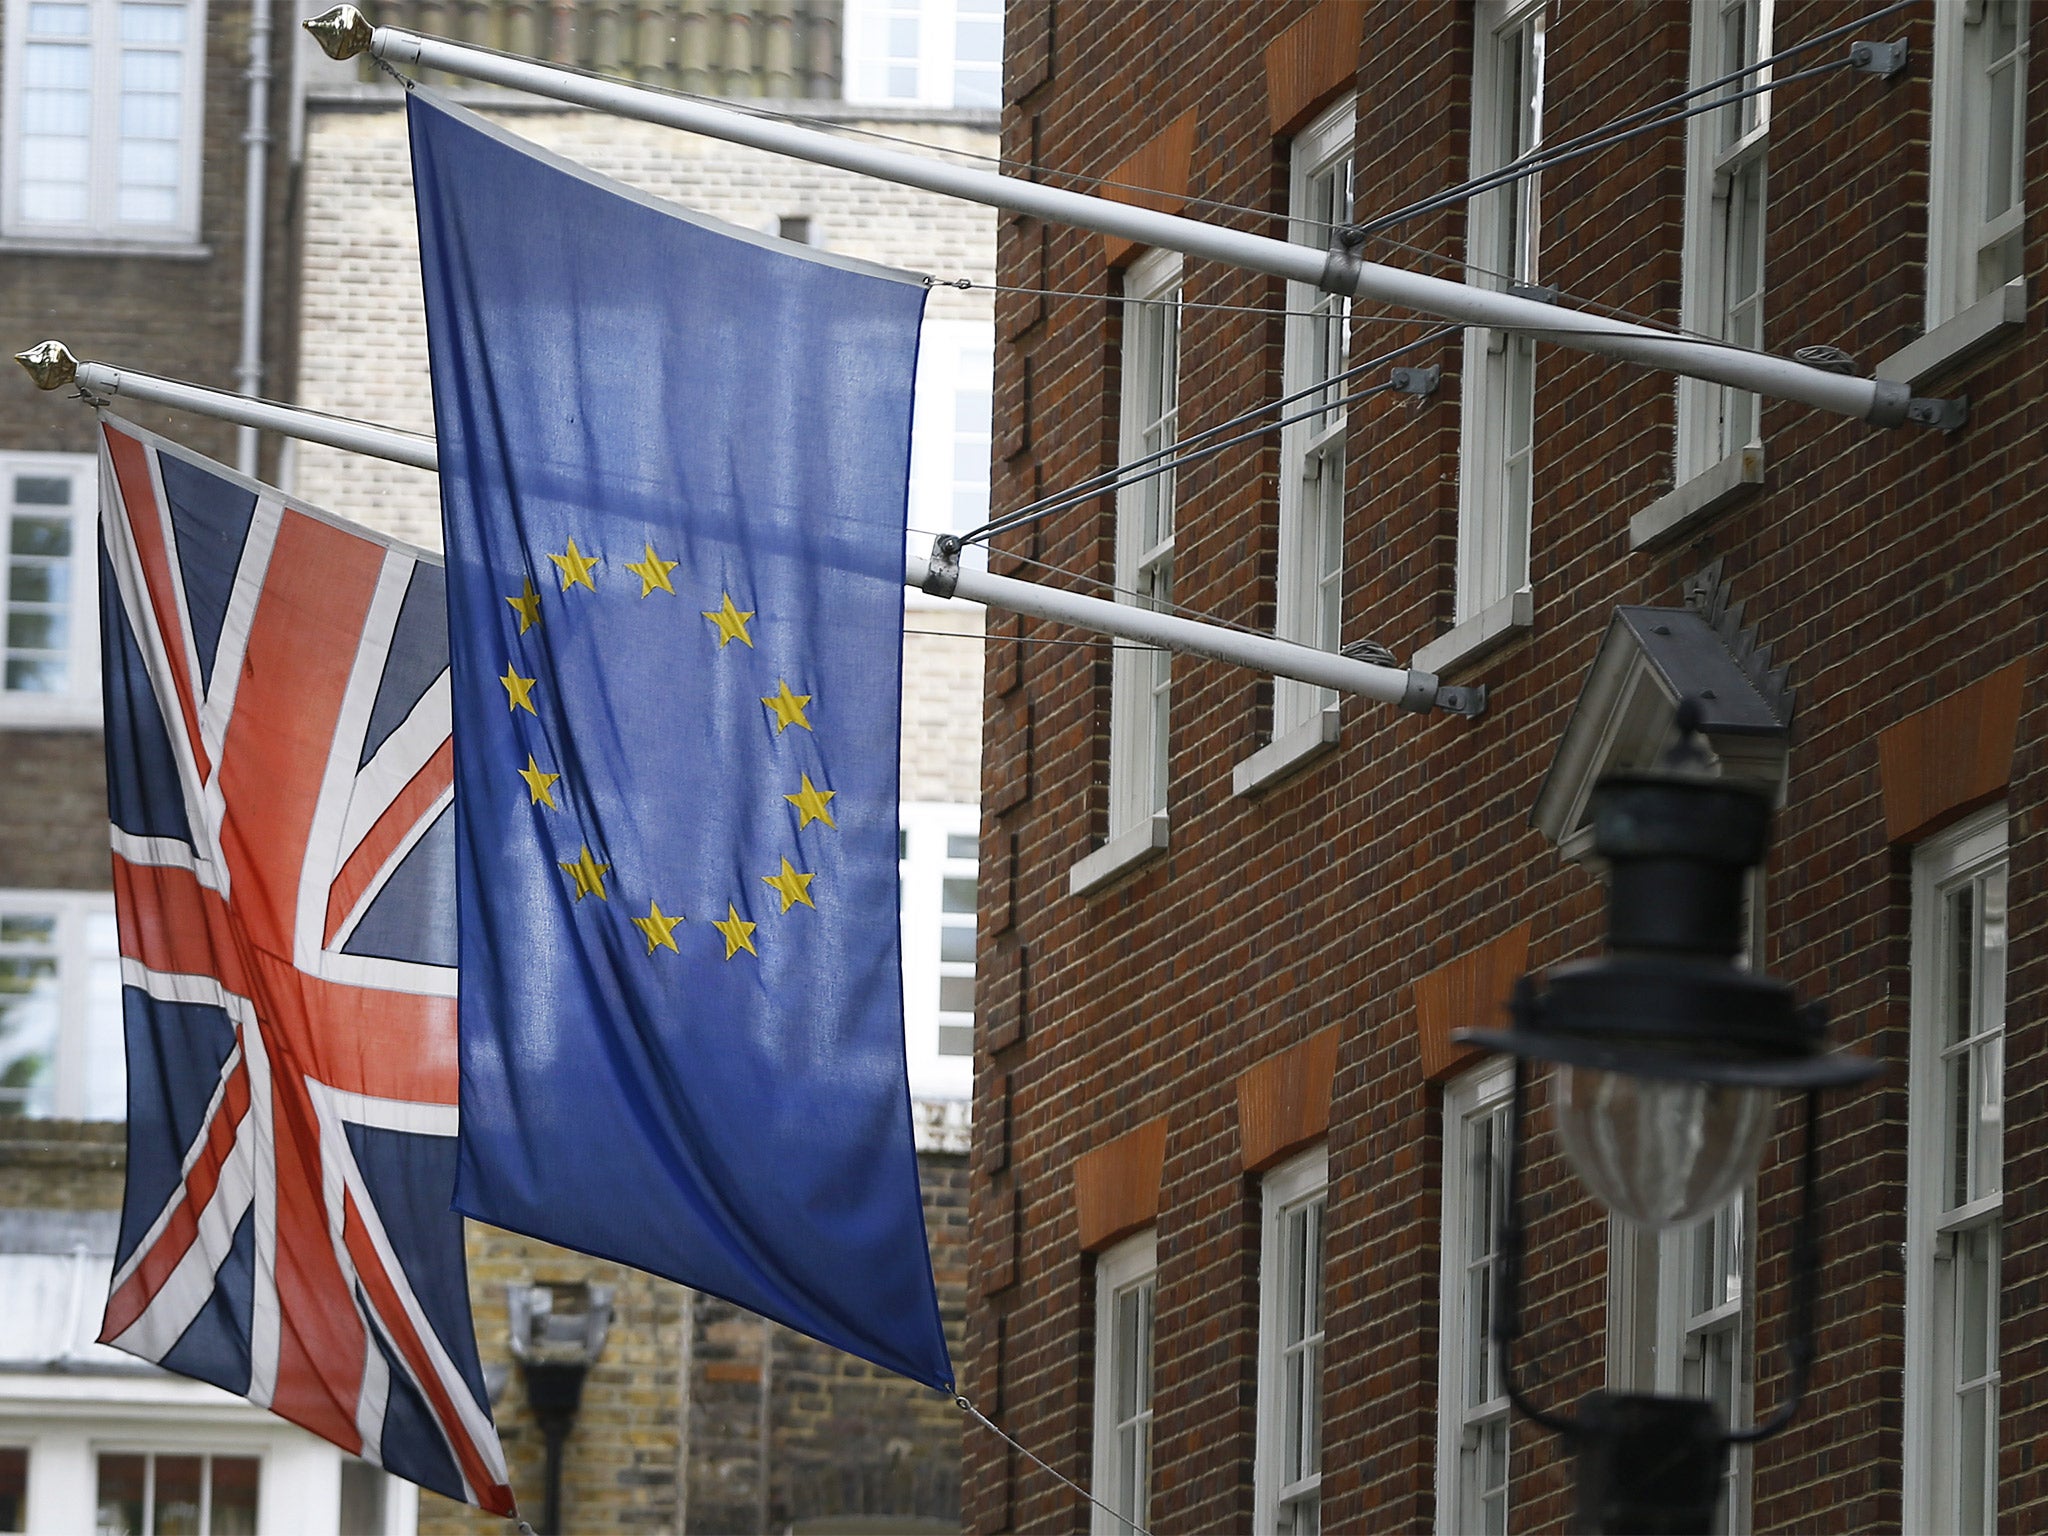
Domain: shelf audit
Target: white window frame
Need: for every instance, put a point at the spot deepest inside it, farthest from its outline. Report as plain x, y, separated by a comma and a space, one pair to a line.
1291, 1354
89, 1065
1726, 173
933, 75
1140, 676
1959, 234
1496, 482
102, 225
1467, 1242
1970, 854
1308, 591
1128, 1269
928, 829
78, 703
951, 433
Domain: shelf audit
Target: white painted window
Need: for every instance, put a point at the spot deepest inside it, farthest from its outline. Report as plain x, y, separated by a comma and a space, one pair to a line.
1312, 451
62, 1050
1287, 1472
1472, 1402
1723, 257
103, 102
1125, 1280
153, 1493
1976, 192
951, 433
928, 53
1955, 1177
1705, 1329
1140, 675
1499, 391
936, 883
49, 648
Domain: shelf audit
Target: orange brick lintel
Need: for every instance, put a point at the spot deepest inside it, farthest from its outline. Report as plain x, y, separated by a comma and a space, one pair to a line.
1949, 759
1116, 1186
1283, 1102
1156, 177
1470, 992
1311, 62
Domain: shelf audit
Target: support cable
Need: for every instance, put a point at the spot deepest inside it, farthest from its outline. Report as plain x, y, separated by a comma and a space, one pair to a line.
1123, 1521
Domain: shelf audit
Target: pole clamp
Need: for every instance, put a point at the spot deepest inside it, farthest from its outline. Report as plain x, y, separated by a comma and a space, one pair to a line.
942, 574
1340, 267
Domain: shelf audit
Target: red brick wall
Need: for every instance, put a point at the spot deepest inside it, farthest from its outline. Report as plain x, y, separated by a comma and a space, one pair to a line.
1888, 569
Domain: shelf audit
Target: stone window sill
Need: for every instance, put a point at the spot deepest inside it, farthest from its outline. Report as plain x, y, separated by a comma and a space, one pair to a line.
1976, 329
1117, 857
1272, 763
1485, 631
1683, 508
158, 250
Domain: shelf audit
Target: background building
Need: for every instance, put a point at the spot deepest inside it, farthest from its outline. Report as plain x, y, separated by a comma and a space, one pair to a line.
695, 1416
1233, 1183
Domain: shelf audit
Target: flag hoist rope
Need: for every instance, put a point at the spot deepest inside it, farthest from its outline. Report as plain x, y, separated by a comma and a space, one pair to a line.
344, 33
52, 366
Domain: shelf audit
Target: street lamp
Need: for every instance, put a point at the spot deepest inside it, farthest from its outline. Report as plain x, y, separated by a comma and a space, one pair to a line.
1669, 1060
556, 1345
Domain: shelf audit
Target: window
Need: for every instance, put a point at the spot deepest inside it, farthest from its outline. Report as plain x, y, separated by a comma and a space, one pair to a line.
1976, 209
1494, 483
1955, 1177
51, 641
951, 433
931, 53
1472, 1412
1140, 676
1124, 1285
1723, 261
1287, 1473
1312, 451
61, 1039
937, 876
148, 1493
13, 1488
103, 119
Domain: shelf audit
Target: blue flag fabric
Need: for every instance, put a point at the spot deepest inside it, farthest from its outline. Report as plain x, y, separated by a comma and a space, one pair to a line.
674, 467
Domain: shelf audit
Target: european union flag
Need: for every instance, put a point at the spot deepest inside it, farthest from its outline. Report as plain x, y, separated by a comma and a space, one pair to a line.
674, 459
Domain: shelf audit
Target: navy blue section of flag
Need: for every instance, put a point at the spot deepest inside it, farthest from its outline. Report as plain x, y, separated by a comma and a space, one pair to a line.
674, 461
286, 1231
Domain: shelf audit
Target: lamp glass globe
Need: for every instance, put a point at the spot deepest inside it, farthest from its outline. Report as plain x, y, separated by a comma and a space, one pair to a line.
1661, 1152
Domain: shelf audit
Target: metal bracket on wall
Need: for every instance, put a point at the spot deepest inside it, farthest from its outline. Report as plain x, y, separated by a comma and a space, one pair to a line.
1880, 59
1949, 415
1469, 702
1415, 381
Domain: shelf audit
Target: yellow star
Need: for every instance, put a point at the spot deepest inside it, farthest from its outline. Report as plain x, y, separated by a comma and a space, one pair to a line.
539, 783
576, 567
809, 801
527, 606
731, 622
658, 926
517, 689
588, 875
792, 886
788, 707
737, 930
653, 572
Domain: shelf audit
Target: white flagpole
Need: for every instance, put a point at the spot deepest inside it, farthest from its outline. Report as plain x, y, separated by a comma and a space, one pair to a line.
52, 366
343, 33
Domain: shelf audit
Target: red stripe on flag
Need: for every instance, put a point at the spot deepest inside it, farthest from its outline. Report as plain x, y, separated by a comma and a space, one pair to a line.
384, 1301
383, 839
171, 923
129, 1302
145, 519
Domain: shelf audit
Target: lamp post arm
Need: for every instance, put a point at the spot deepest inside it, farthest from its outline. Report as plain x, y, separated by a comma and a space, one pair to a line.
1799, 1347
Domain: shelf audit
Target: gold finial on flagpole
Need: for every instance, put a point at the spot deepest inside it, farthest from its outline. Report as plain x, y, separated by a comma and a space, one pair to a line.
342, 33
49, 363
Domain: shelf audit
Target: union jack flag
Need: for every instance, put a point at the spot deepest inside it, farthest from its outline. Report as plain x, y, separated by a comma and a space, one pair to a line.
279, 782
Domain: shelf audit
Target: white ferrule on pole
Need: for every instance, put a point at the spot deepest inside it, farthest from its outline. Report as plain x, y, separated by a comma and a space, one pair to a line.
1876, 401
1283, 658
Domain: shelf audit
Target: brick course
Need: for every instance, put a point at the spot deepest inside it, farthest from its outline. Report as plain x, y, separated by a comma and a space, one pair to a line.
1890, 570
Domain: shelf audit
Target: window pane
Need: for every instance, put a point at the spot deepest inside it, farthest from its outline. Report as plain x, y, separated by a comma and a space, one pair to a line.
956, 994
956, 1040
362, 1499
39, 581
153, 23
961, 845
13, 1487
49, 536
956, 944
146, 205
148, 69
58, 20
31, 676
177, 1495
957, 896
120, 1495
57, 67
30, 631
234, 1495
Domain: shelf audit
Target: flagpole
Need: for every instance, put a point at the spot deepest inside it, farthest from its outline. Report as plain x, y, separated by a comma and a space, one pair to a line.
344, 33
52, 366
